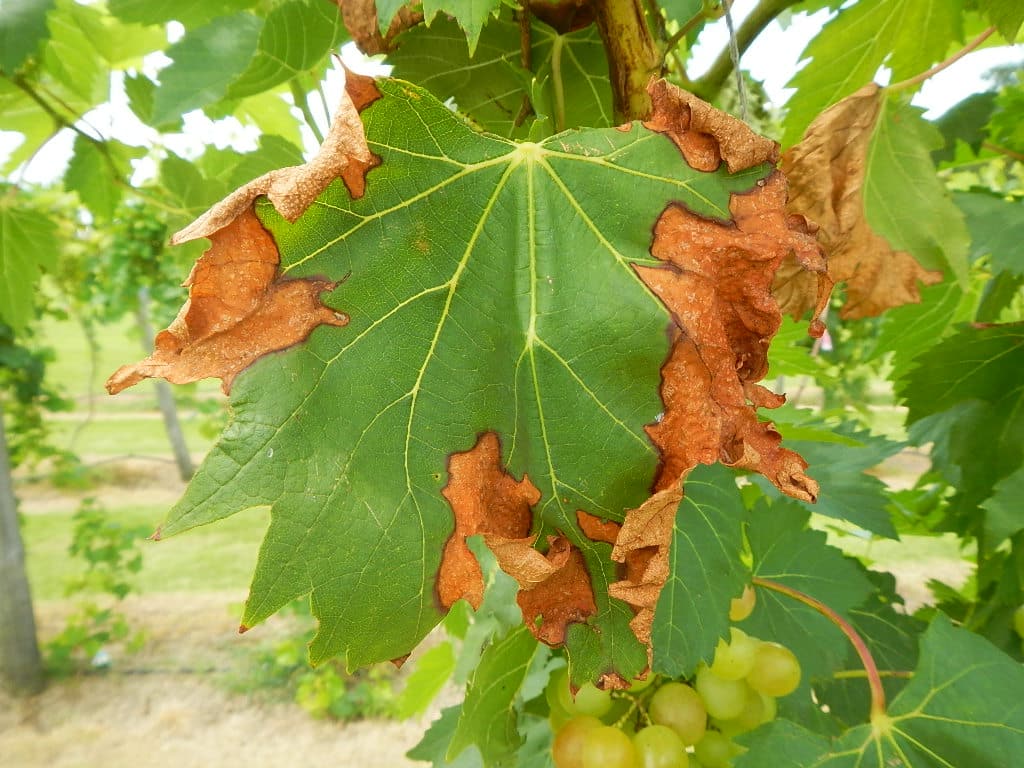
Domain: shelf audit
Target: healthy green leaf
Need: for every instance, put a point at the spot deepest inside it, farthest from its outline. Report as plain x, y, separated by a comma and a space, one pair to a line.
429, 675
904, 200
274, 152
89, 175
965, 121
997, 228
23, 115
488, 718
28, 241
1007, 15
1003, 508
462, 242
296, 36
705, 573
848, 51
433, 747
491, 86
681, 11
72, 59
22, 27
206, 61
908, 330
962, 708
471, 15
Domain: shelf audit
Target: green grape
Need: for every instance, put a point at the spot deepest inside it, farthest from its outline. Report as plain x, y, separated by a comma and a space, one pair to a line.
658, 746
771, 707
752, 716
723, 699
714, 750
679, 707
743, 606
608, 747
776, 670
642, 684
1018, 621
567, 748
557, 691
591, 700
735, 659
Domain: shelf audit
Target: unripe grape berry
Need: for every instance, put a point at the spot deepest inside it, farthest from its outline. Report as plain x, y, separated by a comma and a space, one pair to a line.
735, 659
567, 748
723, 699
714, 750
608, 747
679, 707
776, 670
1018, 621
658, 746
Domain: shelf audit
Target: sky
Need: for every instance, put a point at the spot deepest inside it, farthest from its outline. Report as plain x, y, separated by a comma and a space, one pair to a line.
773, 59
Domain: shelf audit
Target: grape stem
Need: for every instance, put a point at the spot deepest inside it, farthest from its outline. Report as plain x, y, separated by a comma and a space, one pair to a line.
870, 668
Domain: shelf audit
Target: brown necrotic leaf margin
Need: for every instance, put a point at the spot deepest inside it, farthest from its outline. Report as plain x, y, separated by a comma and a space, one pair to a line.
239, 307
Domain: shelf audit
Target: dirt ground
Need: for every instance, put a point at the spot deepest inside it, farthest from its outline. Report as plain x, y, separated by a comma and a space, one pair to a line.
168, 706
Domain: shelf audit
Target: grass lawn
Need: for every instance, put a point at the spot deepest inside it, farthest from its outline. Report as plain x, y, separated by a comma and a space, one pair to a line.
207, 559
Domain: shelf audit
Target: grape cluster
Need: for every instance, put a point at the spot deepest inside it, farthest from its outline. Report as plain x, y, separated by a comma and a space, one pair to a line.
675, 724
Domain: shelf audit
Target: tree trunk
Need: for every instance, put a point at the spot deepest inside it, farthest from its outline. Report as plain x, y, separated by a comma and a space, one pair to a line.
21, 667
164, 396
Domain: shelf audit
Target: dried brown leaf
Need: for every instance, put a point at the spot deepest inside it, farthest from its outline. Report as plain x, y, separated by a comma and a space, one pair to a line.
484, 499
826, 175
717, 285
238, 310
705, 135
361, 22
343, 155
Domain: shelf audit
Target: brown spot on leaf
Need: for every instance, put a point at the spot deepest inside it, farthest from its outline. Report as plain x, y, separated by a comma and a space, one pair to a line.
242, 629
597, 529
238, 310
643, 546
826, 172
717, 285
344, 155
706, 135
400, 661
361, 22
484, 499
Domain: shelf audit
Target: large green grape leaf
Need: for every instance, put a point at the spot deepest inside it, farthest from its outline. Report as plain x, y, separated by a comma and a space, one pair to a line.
997, 228
471, 15
490, 86
23, 115
962, 708
849, 50
966, 395
495, 365
28, 241
705, 573
908, 330
206, 61
191, 13
295, 36
1007, 15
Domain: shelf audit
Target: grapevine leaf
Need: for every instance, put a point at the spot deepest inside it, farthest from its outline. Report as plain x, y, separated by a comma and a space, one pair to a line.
72, 59
962, 708
969, 387
23, 115
904, 200
295, 36
471, 330
1007, 15
274, 152
206, 61
490, 87
786, 551
488, 718
997, 229
848, 492
1003, 518
28, 241
22, 27
433, 747
90, 173
853, 163
861, 38
681, 11
1005, 128
429, 675
471, 15
119, 44
908, 330
191, 13
964, 122
704, 572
